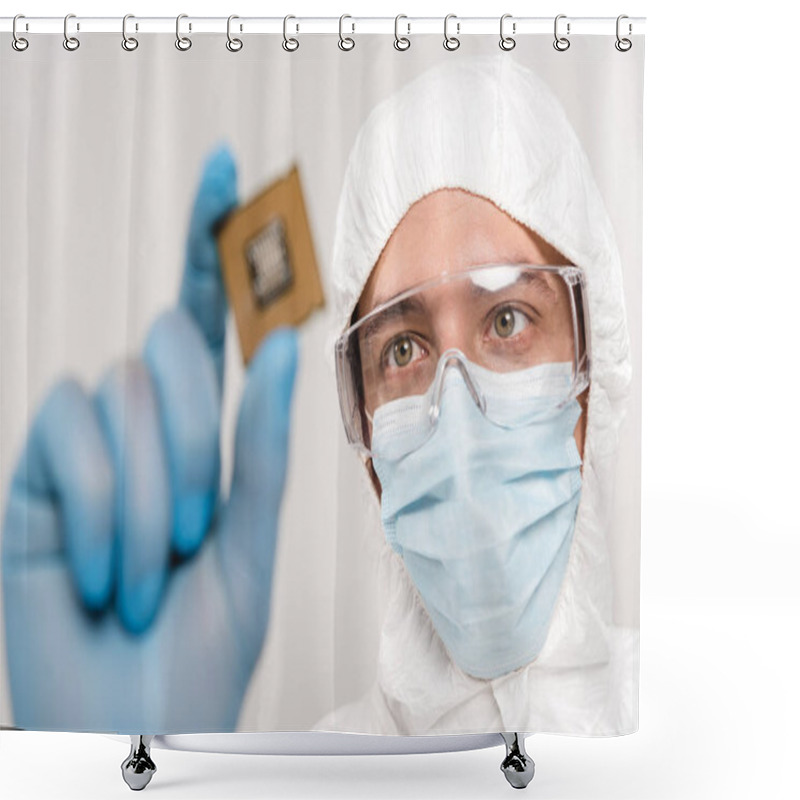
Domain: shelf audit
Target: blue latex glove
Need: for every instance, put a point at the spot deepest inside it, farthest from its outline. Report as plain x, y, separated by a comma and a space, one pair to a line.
106, 629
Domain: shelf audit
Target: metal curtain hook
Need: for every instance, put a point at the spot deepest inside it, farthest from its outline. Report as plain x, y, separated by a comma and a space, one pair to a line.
289, 44
451, 42
129, 43
561, 43
623, 45
182, 42
507, 42
233, 44
401, 42
18, 42
70, 42
346, 42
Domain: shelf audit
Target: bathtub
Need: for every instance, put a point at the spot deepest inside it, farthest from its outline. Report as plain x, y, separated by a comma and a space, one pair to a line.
138, 768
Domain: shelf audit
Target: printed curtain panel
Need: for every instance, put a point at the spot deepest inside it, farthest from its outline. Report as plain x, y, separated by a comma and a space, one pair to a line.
321, 384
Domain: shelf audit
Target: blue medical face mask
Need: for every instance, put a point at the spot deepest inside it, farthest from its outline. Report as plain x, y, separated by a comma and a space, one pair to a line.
483, 515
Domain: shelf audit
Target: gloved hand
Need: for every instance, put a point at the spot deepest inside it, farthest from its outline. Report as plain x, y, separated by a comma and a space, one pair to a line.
134, 601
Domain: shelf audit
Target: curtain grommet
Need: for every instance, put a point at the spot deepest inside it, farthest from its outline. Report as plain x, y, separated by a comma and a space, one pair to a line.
451, 42
19, 43
129, 43
233, 43
346, 43
623, 44
290, 44
561, 43
507, 42
71, 43
183, 43
401, 42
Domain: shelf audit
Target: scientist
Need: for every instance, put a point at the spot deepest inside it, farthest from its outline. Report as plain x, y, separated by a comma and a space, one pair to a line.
483, 364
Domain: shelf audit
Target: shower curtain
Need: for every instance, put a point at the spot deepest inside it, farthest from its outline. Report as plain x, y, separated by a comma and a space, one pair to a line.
201, 528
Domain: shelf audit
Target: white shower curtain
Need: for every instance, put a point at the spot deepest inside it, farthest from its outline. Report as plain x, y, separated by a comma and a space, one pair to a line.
102, 153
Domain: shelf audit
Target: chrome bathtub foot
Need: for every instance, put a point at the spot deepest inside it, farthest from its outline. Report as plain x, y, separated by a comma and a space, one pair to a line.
138, 768
517, 766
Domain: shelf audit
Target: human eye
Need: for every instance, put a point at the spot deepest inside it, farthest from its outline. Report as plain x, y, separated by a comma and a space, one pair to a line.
402, 351
508, 322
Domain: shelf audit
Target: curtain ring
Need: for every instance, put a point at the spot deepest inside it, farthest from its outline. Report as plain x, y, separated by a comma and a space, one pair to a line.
507, 42
561, 43
451, 42
346, 42
183, 43
70, 42
289, 44
18, 42
129, 43
623, 45
401, 42
233, 44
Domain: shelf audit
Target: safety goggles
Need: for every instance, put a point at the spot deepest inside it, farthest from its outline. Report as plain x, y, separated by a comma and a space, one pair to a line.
500, 318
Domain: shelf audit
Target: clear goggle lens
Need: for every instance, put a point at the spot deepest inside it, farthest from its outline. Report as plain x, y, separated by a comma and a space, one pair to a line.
517, 333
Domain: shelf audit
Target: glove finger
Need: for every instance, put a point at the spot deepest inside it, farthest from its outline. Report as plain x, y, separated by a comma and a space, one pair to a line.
248, 529
61, 497
128, 409
182, 370
202, 291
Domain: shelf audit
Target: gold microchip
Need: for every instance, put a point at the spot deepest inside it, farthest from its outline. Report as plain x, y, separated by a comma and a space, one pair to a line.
268, 263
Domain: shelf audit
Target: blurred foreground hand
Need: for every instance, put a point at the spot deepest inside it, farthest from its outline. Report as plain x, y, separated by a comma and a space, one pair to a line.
135, 600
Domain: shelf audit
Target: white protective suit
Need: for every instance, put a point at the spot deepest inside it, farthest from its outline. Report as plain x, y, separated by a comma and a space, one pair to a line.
491, 126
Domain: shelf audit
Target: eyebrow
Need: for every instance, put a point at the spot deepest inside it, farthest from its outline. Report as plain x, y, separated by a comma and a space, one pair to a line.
413, 305
382, 318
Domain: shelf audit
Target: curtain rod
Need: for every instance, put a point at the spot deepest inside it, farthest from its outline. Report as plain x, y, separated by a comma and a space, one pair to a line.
515, 26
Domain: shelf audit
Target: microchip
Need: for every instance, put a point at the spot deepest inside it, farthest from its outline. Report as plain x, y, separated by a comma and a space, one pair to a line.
268, 263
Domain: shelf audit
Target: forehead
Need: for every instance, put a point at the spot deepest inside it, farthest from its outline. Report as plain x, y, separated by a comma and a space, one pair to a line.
450, 230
